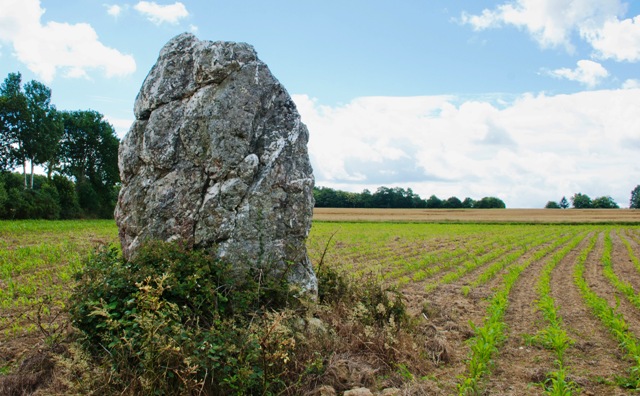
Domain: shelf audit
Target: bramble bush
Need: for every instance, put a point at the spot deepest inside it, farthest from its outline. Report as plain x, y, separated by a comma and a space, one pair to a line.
173, 320
178, 321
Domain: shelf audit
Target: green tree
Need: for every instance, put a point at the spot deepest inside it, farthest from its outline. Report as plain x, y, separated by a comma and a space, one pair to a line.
434, 202
564, 203
67, 197
13, 118
489, 203
468, 203
581, 201
634, 202
43, 129
452, 203
383, 197
89, 155
3, 197
604, 203
30, 125
552, 205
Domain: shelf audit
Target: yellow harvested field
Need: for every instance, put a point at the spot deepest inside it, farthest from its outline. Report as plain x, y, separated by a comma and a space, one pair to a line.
480, 215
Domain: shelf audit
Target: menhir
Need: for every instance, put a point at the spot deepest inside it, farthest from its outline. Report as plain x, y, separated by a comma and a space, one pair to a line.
217, 158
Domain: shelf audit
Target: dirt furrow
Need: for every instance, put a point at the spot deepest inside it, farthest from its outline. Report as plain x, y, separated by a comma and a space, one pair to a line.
449, 311
595, 359
622, 263
603, 287
520, 366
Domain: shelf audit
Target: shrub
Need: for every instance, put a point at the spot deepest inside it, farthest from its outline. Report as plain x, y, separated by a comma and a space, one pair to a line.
173, 320
379, 304
69, 206
552, 205
3, 197
178, 321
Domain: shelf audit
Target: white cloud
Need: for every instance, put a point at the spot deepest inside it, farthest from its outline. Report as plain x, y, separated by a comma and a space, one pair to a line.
535, 149
587, 72
631, 84
615, 39
121, 125
114, 10
159, 14
193, 29
46, 49
550, 22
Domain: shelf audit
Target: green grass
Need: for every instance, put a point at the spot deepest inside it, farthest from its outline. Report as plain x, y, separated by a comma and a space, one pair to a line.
37, 261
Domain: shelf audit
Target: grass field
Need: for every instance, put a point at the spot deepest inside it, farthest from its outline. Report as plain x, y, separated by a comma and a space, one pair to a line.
511, 306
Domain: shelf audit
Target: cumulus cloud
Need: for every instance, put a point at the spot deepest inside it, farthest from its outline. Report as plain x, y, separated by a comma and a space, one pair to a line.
587, 72
534, 149
631, 84
160, 14
114, 10
615, 39
552, 22
48, 48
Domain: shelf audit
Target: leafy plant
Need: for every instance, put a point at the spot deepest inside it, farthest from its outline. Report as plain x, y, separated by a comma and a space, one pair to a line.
172, 320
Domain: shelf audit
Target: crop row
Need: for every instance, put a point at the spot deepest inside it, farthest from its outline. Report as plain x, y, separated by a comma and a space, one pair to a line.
488, 337
609, 316
554, 335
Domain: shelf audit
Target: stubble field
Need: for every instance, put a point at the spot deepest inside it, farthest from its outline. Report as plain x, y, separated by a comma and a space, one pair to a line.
512, 306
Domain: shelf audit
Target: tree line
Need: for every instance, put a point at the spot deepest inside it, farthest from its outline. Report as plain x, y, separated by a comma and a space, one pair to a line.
396, 197
77, 149
583, 201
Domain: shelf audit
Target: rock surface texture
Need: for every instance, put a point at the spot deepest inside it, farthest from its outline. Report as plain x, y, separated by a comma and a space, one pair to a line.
217, 157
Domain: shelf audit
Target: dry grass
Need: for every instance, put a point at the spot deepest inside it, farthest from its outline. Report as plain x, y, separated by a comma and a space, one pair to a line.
480, 215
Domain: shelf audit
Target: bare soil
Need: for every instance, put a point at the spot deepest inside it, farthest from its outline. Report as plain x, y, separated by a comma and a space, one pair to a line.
595, 359
594, 362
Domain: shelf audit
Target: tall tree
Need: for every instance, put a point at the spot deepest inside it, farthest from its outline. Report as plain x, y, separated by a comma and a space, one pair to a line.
634, 202
43, 130
434, 202
13, 118
90, 156
604, 203
564, 203
30, 126
581, 201
489, 203
453, 203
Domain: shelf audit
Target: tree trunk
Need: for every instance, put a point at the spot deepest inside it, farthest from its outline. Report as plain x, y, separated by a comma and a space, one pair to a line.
24, 173
49, 170
32, 174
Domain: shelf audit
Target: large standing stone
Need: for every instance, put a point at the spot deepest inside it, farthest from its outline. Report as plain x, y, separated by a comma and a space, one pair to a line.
217, 157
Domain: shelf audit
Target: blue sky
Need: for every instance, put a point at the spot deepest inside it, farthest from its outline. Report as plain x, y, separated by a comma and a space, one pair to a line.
527, 100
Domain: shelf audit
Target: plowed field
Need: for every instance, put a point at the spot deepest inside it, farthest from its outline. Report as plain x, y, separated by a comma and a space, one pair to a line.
480, 290
513, 306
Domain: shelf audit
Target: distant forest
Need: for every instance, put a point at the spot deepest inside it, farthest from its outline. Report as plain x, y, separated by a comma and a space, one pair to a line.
397, 197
